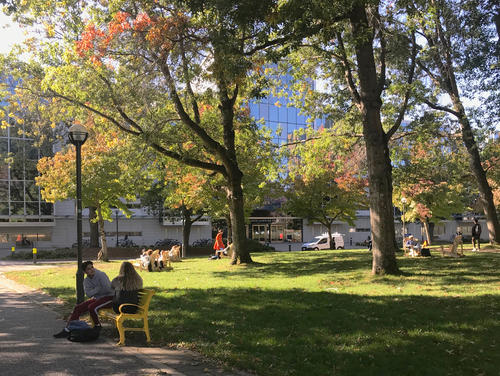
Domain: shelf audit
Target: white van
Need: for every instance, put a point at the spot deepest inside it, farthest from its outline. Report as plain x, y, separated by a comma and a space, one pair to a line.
321, 242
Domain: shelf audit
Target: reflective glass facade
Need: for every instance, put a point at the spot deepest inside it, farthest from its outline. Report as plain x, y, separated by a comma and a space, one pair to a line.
20, 199
281, 117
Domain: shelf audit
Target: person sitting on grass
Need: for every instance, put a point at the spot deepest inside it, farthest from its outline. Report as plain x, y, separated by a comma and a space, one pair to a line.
218, 245
145, 261
98, 288
415, 247
126, 285
226, 251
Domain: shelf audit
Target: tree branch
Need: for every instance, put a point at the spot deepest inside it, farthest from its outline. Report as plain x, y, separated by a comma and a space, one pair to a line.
95, 111
187, 160
122, 113
441, 108
347, 71
411, 75
194, 103
209, 142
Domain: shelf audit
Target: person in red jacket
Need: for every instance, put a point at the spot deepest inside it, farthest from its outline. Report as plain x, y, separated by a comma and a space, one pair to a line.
219, 244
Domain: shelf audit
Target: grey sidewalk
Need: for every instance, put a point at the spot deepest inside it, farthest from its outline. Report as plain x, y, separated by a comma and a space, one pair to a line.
27, 346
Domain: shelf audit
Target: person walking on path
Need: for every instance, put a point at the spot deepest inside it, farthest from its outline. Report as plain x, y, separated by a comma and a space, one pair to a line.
219, 244
476, 236
98, 288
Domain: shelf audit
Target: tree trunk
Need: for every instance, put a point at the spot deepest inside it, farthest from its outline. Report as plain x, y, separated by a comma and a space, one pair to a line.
103, 252
236, 207
229, 230
329, 228
431, 231
94, 228
448, 82
186, 230
425, 221
485, 193
377, 150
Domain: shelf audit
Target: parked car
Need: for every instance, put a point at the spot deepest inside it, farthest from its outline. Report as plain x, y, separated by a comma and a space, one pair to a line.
321, 242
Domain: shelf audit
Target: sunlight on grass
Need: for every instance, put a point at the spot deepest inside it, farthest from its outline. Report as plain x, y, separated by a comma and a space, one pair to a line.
322, 313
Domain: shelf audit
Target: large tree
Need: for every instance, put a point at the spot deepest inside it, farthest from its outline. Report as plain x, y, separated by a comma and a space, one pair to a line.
368, 69
430, 172
457, 56
110, 174
171, 73
324, 182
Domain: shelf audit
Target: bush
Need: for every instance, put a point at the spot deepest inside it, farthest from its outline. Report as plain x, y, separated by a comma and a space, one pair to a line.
202, 243
85, 244
60, 253
256, 246
126, 243
166, 243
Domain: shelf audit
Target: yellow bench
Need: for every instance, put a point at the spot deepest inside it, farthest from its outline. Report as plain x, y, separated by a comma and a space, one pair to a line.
145, 296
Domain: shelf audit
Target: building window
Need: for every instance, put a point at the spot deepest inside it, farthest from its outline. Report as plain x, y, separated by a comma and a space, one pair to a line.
20, 199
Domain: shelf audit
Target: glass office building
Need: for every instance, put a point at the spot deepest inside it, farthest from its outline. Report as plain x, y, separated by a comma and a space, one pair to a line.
23, 213
278, 114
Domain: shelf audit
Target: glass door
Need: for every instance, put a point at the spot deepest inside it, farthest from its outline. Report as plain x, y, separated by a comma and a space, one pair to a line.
260, 233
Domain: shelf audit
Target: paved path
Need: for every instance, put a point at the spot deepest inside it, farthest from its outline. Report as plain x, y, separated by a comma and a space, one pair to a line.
27, 346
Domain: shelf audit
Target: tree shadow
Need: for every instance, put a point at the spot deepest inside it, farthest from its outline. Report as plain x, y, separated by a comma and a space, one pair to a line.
294, 332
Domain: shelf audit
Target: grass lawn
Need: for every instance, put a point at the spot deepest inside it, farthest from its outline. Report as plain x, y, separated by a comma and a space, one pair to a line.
322, 313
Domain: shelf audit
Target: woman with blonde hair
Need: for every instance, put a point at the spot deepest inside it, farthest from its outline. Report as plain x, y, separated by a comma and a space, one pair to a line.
126, 285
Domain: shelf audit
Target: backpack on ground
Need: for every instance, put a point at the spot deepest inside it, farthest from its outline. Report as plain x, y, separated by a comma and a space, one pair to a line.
80, 331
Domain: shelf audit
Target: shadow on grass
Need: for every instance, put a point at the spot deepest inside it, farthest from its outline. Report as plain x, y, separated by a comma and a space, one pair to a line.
463, 271
320, 333
300, 332
293, 264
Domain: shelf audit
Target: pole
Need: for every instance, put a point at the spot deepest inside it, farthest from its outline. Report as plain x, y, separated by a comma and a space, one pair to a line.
404, 230
79, 272
116, 228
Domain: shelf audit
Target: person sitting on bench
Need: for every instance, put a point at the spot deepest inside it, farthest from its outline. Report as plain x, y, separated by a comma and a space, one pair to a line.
98, 288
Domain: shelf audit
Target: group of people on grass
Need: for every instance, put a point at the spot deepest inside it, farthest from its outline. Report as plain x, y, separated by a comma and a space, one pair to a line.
158, 259
414, 247
104, 293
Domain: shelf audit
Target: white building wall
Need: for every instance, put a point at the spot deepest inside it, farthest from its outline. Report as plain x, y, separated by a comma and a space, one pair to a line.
65, 208
63, 234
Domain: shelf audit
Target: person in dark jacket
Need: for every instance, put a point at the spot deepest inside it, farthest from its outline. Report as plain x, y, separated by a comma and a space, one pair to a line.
476, 236
126, 285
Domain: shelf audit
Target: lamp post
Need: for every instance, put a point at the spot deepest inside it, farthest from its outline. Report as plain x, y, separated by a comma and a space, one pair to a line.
77, 136
403, 201
116, 214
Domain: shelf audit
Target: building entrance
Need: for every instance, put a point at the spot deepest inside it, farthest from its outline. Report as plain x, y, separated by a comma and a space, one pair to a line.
277, 233
260, 233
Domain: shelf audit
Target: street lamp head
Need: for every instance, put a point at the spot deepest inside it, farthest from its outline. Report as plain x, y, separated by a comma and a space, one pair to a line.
403, 200
77, 134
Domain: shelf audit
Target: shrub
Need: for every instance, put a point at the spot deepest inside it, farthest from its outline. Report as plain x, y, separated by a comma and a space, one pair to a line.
256, 246
59, 253
202, 243
166, 243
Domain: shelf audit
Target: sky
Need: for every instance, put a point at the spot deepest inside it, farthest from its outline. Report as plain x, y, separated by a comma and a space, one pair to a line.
10, 34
